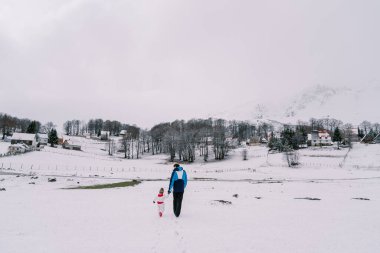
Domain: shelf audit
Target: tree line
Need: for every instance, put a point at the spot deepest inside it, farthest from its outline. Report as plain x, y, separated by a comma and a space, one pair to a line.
180, 139
293, 137
10, 124
185, 140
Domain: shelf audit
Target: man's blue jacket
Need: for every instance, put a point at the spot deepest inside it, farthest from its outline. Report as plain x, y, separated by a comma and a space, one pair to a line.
178, 180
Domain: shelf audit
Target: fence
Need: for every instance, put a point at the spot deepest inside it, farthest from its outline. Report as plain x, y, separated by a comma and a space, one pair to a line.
63, 169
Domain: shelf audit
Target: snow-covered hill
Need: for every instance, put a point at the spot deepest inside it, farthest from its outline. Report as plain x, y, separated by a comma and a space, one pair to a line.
351, 105
346, 104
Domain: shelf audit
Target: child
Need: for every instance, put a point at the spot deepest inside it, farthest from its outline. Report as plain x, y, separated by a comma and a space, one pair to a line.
160, 199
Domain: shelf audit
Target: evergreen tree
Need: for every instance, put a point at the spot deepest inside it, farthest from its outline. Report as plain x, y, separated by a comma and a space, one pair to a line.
289, 139
337, 137
53, 137
360, 133
33, 127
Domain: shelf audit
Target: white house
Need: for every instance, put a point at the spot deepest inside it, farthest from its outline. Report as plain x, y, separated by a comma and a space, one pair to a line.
28, 139
43, 139
319, 138
123, 132
68, 144
104, 135
7, 138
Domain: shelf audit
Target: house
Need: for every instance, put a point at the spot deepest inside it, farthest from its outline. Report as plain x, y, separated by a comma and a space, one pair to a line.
319, 138
254, 140
67, 144
7, 138
28, 139
123, 133
43, 139
18, 148
104, 135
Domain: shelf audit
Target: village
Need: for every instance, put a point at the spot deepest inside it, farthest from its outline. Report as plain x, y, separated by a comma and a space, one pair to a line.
18, 143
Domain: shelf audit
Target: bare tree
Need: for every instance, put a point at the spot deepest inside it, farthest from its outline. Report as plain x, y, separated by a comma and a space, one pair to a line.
47, 127
366, 125
348, 134
111, 147
220, 144
292, 157
67, 126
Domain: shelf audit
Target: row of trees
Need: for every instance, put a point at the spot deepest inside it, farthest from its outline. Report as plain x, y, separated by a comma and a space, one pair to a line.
10, 124
368, 129
93, 127
181, 139
293, 137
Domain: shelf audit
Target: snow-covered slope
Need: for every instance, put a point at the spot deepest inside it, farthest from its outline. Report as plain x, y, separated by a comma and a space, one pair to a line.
318, 207
346, 104
351, 105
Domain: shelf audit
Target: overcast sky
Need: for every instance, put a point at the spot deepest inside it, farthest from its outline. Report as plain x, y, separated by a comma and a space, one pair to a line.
145, 62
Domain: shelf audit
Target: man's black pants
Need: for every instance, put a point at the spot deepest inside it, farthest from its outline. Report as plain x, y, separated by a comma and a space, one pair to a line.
177, 202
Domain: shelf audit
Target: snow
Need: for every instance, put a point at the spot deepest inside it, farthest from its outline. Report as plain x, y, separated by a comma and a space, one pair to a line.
351, 105
265, 217
23, 136
4, 147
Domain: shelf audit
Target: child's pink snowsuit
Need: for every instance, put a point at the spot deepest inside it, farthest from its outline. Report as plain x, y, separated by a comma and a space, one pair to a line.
160, 200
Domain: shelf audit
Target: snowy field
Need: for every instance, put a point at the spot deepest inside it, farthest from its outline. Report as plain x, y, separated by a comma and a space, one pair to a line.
271, 212
4, 147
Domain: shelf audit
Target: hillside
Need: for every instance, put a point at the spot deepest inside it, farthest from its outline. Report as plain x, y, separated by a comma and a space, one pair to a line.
351, 105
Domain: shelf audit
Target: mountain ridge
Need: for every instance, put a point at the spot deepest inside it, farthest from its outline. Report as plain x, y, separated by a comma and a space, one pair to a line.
351, 105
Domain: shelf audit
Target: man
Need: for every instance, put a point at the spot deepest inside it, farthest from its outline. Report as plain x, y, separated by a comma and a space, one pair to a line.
178, 182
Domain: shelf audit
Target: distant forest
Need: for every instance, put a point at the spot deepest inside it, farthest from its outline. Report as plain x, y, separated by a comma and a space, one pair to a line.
181, 139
